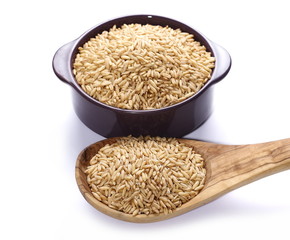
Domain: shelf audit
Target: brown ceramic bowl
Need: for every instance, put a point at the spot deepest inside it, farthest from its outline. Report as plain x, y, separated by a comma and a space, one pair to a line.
173, 121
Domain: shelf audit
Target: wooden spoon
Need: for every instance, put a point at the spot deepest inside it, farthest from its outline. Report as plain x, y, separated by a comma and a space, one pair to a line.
228, 167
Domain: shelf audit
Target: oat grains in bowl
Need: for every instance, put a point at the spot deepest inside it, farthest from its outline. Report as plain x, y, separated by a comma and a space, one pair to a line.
142, 67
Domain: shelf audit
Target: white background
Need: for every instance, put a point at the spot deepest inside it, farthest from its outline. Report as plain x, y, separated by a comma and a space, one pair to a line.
41, 136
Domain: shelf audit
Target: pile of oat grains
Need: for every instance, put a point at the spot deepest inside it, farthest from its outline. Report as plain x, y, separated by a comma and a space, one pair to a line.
146, 175
142, 67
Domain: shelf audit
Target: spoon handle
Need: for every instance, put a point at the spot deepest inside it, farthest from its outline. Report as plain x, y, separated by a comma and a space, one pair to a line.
243, 164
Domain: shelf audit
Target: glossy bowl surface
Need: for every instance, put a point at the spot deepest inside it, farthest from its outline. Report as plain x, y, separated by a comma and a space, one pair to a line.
173, 121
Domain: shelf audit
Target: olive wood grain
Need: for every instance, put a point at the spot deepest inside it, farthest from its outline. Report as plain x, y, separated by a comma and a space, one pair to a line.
228, 167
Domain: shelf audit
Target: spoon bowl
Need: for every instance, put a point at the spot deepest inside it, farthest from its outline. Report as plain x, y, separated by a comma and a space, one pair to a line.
228, 167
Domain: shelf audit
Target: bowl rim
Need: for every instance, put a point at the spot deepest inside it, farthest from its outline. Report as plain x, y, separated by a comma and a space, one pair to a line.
75, 44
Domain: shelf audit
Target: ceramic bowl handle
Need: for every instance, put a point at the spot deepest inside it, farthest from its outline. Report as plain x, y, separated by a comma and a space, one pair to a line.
61, 63
223, 65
